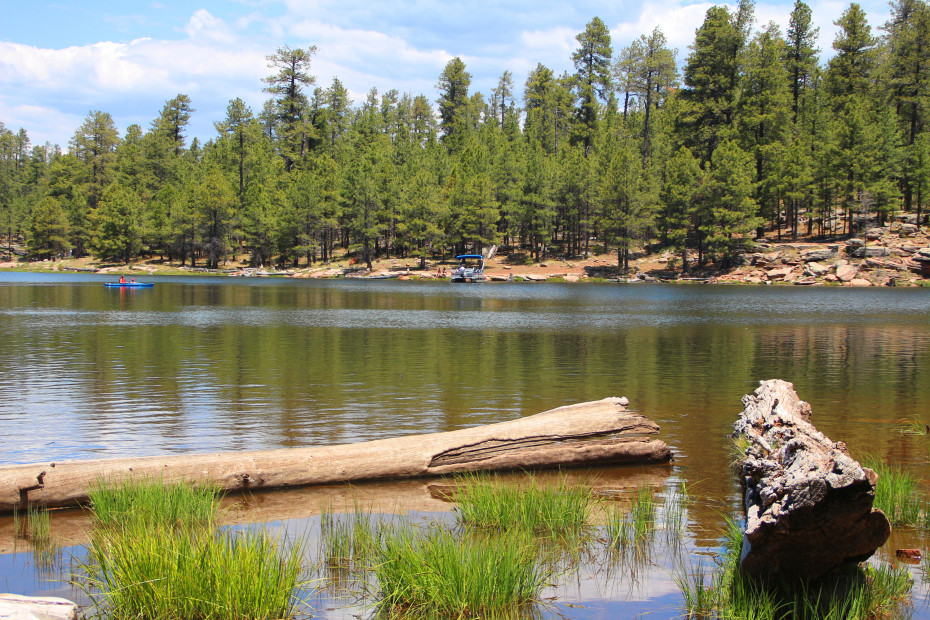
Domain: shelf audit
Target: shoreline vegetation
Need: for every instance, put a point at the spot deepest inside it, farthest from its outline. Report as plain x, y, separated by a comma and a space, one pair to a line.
890, 255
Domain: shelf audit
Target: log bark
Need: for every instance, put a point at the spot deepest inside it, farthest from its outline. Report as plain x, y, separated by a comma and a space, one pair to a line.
599, 432
808, 504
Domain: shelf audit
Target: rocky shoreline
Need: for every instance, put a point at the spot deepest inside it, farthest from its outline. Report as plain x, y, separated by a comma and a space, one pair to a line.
897, 254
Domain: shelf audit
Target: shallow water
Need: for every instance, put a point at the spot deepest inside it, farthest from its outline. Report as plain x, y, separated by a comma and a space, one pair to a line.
204, 364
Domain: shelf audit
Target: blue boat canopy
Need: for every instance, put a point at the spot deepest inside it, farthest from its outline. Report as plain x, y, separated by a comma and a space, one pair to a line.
461, 256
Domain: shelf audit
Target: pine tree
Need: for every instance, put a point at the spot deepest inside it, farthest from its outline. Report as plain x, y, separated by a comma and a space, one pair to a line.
592, 77
48, 230
289, 103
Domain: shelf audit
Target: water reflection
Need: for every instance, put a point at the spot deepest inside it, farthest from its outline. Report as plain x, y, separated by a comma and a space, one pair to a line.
201, 364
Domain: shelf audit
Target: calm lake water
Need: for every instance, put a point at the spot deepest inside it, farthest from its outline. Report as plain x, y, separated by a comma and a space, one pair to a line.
207, 364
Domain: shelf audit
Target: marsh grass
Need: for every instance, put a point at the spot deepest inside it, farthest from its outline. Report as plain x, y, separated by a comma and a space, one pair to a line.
156, 553
736, 450
153, 502
435, 574
913, 427
488, 502
36, 528
897, 494
860, 594
349, 540
634, 524
160, 572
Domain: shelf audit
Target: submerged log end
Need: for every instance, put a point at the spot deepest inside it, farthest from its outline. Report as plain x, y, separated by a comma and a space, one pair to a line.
808, 504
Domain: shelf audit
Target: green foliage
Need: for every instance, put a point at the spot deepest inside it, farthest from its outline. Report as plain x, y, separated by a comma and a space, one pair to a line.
117, 224
48, 230
435, 574
155, 553
597, 152
491, 503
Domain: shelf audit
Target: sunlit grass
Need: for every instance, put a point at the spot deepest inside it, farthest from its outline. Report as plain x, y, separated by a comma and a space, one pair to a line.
435, 574
156, 553
897, 494
491, 503
152, 502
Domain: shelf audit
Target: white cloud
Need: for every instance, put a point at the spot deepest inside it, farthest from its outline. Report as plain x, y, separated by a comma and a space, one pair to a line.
204, 26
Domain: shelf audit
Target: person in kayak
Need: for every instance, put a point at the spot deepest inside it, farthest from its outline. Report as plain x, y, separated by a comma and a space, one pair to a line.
122, 279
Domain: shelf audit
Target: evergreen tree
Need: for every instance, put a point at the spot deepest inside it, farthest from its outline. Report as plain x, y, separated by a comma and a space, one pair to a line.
289, 103
732, 210
117, 224
48, 230
453, 101
800, 53
708, 102
592, 76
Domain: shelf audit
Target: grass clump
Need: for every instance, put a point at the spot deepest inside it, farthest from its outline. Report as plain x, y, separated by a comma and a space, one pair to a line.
897, 494
635, 525
348, 541
487, 502
864, 593
157, 553
152, 502
434, 574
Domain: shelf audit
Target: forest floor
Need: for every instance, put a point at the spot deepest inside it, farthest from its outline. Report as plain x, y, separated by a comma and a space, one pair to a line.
895, 254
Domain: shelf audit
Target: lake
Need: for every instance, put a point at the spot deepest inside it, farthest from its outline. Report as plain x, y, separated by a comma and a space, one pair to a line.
200, 364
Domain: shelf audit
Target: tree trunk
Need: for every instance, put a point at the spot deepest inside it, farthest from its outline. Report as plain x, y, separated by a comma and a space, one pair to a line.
808, 503
599, 432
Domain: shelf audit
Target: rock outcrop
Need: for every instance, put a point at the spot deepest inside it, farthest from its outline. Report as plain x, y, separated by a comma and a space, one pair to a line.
808, 503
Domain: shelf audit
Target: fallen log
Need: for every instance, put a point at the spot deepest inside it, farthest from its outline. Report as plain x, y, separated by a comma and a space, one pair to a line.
808, 504
599, 432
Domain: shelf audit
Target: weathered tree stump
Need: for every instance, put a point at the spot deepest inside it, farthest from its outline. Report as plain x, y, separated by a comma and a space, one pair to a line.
808, 503
599, 432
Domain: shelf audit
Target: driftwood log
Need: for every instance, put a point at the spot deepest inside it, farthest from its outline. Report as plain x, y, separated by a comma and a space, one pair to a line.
599, 432
808, 503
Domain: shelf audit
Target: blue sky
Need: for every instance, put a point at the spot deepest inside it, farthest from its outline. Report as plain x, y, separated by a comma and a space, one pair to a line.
60, 60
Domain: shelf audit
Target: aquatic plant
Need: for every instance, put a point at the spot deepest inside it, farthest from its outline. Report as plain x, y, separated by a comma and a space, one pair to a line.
142, 571
153, 502
435, 574
156, 553
897, 493
489, 502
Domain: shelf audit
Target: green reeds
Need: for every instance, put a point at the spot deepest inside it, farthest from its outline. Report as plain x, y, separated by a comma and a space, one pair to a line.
156, 553
348, 540
153, 502
897, 494
161, 572
637, 524
488, 502
435, 574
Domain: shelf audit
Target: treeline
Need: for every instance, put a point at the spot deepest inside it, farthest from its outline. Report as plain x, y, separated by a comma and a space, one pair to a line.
752, 133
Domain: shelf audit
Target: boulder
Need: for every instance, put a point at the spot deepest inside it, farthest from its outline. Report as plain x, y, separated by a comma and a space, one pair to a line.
870, 251
874, 234
808, 503
859, 282
854, 243
778, 273
16, 607
815, 269
811, 256
845, 273
909, 230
